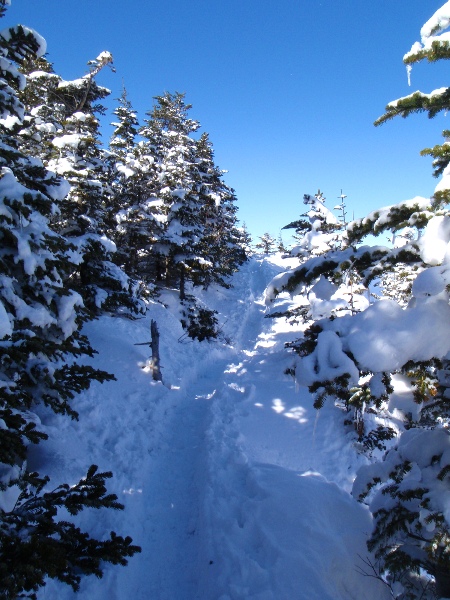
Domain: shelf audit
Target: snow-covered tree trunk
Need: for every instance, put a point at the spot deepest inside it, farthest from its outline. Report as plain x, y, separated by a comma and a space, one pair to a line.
154, 344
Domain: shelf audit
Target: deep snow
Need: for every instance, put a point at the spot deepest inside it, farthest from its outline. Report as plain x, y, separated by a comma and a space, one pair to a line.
234, 485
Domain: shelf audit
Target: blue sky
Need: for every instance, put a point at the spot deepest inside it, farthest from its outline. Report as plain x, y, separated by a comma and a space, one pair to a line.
287, 90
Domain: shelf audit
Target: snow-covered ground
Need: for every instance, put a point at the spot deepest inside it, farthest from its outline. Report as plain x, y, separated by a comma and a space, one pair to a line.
234, 485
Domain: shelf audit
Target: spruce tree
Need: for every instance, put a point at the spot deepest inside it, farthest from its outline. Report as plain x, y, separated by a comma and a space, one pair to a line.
358, 360
316, 230
85, 213
412, 529
245, 239
219, 245
135, 210
40, 320
168, 134
198, 243
266, 243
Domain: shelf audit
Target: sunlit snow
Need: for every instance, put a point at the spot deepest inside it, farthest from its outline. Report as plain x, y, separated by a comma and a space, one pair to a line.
233, 484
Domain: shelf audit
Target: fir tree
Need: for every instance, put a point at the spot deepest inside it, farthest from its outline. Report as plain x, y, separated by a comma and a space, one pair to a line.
355, 360
219, 246
125, 129
40, 320
267, 243
168, 139
280, 244
134, 223
199, 241
85, 213
316, 229
318, 233
245, 239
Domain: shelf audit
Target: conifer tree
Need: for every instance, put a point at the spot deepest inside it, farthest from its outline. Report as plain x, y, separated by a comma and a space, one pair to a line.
412, 529
168, 137
199, 241
40, 321
266, 244
219, 245
358, 359
126, 128
134, 223
316, 229
85, 212
319, 234
44, 110
245, 239
281, 247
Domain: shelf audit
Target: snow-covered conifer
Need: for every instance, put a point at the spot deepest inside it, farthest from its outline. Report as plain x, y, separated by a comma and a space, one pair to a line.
40, 320
85, 213
389, 361
125, 128
319, 236
219, 245
199, 241
245, 239
167, 133
134, 222
266, 244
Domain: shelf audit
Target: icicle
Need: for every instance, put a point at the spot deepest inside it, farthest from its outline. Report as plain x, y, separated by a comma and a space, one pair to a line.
408, 74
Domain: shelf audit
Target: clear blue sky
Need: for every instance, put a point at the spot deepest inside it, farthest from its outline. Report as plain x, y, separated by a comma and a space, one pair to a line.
287, 90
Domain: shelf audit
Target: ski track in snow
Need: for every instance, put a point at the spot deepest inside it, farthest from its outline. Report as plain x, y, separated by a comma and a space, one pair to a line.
218, 468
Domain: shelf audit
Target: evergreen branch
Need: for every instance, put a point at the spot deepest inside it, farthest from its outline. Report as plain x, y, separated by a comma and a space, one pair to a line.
440, 49
433, 103
35, 545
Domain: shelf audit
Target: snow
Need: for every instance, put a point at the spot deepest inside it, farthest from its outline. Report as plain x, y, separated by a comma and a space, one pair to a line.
327, 361
72, 140
434, 242
438, 22
41, 42
381, 338
5, 324
66, 313
444, 183
432, 31
104, 57
426, 452
10, 121
233, 484
382, 216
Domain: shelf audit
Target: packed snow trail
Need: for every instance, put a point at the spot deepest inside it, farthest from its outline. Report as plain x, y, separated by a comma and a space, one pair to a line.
232, 483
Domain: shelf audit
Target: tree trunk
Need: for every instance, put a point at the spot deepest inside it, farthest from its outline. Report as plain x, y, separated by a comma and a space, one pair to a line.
155, 362
182, 283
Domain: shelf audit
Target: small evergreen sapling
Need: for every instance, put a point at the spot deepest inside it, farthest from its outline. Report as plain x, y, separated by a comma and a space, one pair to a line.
267, 244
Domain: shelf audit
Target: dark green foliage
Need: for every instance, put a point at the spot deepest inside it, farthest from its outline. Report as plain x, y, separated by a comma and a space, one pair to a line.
403, 541
301, 226
438, 50
440, 154
40, 341
200, 322
424, 379
397, 218
266, 244
417, 103
15, 437
35, 544
376, 438
307, 344
337, 388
